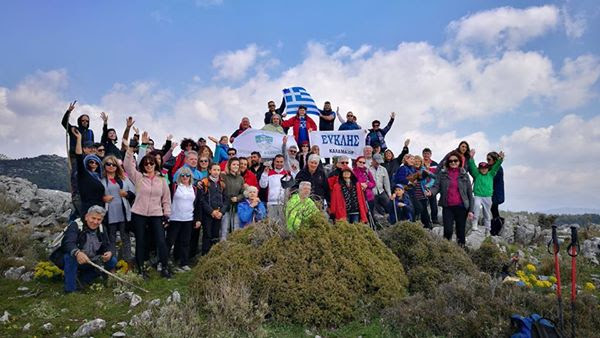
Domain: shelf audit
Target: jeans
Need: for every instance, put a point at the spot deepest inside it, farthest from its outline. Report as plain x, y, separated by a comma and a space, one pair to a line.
147, 227
210, 233
231, 221
484, 203
125, 252
353, 218
178, 234
425, 214
458, 215
87, 273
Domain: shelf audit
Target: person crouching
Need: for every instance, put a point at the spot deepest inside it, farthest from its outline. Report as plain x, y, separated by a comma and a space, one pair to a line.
84, 241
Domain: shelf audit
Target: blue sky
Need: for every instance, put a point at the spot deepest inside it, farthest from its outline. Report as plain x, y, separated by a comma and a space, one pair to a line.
492, 72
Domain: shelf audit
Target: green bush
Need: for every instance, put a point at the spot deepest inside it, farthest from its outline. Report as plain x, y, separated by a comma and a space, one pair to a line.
322, 275
481, 307
434, 260
489, 258
17, 248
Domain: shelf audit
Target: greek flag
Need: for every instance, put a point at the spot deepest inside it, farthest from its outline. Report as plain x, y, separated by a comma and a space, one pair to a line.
298, 96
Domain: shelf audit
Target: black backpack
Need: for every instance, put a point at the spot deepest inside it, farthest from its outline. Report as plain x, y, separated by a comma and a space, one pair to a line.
497, 224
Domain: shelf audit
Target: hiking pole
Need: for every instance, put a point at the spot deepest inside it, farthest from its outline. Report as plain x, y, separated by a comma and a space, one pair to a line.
556, 249
115, 276
395, 211
573, 251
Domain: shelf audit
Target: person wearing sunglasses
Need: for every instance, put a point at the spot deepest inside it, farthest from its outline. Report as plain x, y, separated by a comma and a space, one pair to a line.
376, 135
456, 196
366, 180
152, 204
392, 163
109, 138
89, 172
181, 221
118, 192
273, 110
349, 123
87, 136
301, 125
290, 163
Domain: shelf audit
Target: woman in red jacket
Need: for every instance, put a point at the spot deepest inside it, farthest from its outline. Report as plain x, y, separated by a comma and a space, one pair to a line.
347, 198
302, 124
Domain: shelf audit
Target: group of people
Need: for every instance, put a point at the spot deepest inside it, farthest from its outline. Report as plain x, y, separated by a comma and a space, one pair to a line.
179, 205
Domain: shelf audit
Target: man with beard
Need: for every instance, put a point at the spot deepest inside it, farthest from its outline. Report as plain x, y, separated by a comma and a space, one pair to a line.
257, 168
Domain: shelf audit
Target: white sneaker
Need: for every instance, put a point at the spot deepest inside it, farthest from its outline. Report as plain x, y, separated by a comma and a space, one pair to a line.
474, 228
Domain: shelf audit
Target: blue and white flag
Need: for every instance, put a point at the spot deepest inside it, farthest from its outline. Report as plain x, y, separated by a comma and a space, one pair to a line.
296, 97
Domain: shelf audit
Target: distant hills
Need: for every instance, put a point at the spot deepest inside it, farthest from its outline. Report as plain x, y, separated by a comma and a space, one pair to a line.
46, 171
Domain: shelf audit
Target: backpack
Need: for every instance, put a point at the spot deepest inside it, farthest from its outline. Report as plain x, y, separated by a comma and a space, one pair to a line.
534, 326
497, 224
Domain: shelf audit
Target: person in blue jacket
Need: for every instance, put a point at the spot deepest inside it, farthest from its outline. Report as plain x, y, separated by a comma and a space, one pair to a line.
251, 209
399, 208
376, 135
349, 123
498, 195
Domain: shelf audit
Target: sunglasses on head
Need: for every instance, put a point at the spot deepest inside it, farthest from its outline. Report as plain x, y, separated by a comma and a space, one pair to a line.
110, 164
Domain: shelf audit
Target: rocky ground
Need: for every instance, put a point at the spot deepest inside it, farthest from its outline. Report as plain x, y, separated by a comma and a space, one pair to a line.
33, 303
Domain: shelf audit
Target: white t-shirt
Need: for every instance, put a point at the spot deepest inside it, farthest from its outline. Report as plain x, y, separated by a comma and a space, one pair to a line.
182, 207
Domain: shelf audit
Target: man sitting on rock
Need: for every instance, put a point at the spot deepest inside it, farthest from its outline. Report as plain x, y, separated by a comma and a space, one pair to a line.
84, 241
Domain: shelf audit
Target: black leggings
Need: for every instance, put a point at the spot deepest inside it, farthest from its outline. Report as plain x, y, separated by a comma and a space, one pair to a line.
451, 215
210, 233
178, 234
495, 211
146, 226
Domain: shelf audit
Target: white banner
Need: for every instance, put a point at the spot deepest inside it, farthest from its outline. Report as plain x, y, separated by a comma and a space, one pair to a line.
267, 143
336, 143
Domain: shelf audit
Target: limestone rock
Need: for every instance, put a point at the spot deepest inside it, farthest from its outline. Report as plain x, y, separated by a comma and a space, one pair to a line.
90, 327
48, 327
135, 300
5, 318
175, 297
475, 238
119, 334
591, 249
14, 273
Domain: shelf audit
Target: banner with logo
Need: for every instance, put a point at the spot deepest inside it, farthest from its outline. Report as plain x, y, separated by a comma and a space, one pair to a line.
336, 143
267, 143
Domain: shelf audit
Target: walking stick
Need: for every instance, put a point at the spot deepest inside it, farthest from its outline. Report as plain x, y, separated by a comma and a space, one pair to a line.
573, 251
115, 276
556, 248
395, 211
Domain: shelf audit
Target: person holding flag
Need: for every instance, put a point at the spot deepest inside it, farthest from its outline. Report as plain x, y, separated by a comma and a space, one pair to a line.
301, 124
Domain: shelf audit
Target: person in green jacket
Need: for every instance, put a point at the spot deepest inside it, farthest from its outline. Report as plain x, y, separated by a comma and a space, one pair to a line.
483, 189
275, 125
300, 207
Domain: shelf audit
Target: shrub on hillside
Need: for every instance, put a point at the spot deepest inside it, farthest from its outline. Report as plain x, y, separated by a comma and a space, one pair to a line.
428, 260
489, 258
481, 307
17, 248
322, 275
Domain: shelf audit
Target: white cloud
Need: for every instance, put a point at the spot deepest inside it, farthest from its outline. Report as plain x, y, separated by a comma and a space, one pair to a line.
234, 65
506, 27
574, 25
554, 166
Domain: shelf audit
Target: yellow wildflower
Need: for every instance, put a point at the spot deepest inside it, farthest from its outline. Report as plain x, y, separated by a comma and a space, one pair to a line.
530, 267
552, 279
589, 286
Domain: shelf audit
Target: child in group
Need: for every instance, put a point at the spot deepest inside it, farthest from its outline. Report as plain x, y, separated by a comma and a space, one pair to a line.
213, 204
221, 149
399, 207
483, 189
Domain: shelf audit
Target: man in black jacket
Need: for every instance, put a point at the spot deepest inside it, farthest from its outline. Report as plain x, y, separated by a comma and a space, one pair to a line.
272, 110
84, 241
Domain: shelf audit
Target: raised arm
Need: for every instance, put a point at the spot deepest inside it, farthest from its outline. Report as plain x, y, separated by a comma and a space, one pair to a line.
78, 148
65, 119
390, 123
404, 151
129, 164
129, 123
104, 137
337, 113
281, 108
497, 164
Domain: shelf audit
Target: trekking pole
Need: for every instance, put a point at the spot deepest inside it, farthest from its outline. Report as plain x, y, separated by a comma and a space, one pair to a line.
395, 211
556, 248
115, 276
573, 251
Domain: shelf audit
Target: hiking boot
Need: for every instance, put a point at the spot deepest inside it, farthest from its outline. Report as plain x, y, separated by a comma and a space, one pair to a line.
165, 274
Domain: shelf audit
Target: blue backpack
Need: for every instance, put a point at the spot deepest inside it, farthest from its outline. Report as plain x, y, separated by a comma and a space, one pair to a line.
534, 326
